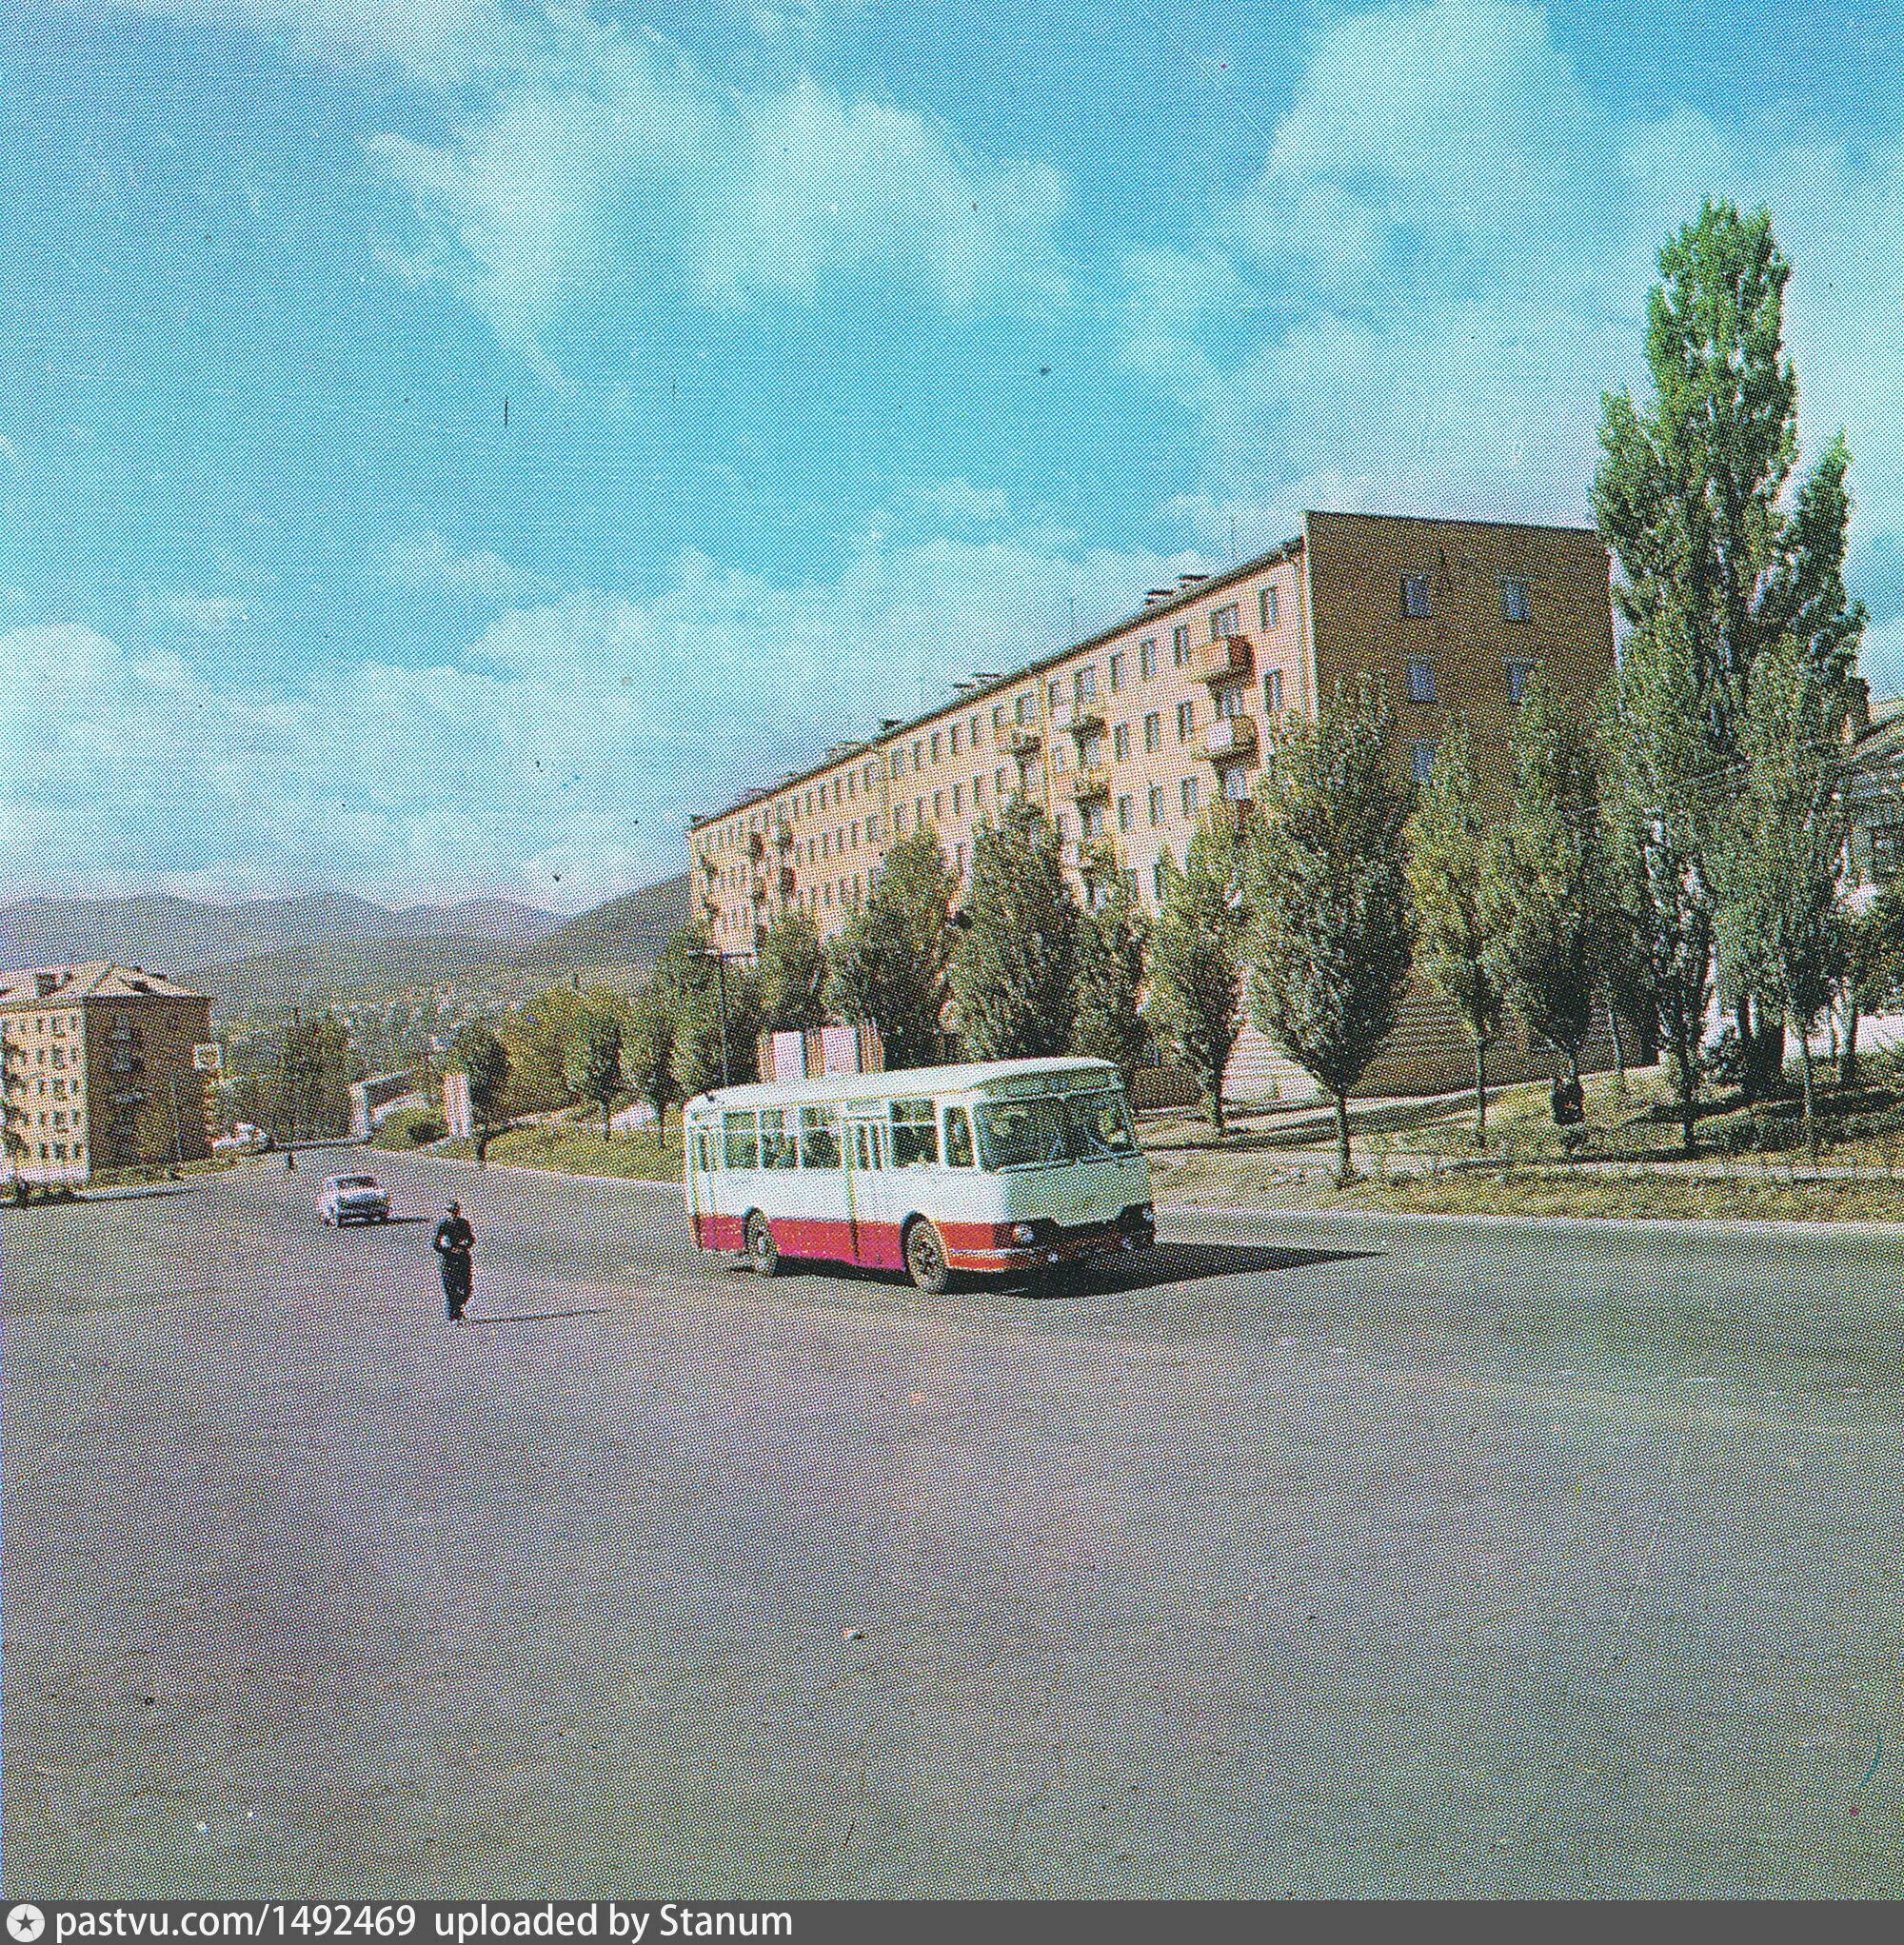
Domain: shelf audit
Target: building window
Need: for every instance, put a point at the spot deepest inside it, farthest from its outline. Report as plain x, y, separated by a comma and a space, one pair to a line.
1415, 602
959, 858
1092, 818
1058, 759
1187, 791
973, 726
899, 817
1146, 657
1226, 623
1515, 606
935, 746
1422, 760
1272, 693
952, 741
1121, 742
1054, 694
1001, 783
899, 762
1126, 814
1236, 785
1085, 684
1519, 674
1179, 644
1230, 702
1024, 709
958, 799
1060, 828
1186, 721
1159, 880
1265, 604
939, 807
1156, 805
997, 720
1153, 731
1420, 679
1129, 877
919, 813
1115, 669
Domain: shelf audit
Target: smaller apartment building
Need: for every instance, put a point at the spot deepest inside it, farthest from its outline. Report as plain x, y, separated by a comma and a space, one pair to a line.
98, 1074
1128, 738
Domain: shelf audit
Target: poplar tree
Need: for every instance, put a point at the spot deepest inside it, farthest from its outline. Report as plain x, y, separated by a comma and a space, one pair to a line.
1330, 927
1013, 969
485, 1061
1694, 493
1113, 946
1196, 957
595, 1053
1782, 859
888, 968
1447, 842
790, 968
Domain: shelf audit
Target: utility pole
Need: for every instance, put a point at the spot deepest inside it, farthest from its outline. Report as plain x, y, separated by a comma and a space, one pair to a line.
178, 1146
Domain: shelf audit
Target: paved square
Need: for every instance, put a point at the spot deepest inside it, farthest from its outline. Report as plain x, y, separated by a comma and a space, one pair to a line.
1318, 1557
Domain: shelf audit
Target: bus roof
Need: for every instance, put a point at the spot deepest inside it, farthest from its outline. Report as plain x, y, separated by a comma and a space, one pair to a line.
969, 1077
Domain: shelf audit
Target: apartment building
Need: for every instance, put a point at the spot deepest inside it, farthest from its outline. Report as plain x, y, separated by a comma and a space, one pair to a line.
98, 1073
1128, 738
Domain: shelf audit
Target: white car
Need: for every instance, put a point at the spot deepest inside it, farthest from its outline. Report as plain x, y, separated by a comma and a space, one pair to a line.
244, 1137
354, 1198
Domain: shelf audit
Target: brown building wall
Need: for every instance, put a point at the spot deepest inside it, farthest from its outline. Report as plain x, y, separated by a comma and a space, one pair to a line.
140, 1046
1338, 609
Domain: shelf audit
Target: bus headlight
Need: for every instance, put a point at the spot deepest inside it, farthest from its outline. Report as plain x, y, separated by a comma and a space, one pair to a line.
1025, 1233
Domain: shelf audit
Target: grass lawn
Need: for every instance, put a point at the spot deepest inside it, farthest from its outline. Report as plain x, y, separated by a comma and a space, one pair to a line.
1531, 1191
573, 1148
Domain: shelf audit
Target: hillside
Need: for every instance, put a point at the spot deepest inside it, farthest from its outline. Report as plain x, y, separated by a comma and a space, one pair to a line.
627, 931
346, 972
172, 934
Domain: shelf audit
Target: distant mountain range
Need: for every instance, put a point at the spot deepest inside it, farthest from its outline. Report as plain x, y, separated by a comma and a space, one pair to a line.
323, 948
176, 934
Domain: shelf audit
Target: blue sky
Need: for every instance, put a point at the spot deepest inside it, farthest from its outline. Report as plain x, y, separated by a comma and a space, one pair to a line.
847, 348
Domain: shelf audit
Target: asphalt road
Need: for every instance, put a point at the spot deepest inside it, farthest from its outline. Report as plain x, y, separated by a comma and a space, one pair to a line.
1314, 1557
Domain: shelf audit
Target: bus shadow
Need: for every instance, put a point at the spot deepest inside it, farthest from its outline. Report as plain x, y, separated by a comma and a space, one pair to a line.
1180, 1262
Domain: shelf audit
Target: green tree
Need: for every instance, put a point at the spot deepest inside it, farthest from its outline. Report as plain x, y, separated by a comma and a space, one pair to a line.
486, 1061
315, 1073
595, 1053
791, 967
1196, 957
537, 1037
1780, 863
1874, 974
1113, 949
1447, 840
888, 967
1663, 812
1694, 494
714, 1008
1013, 970
1546, 879
1331, 928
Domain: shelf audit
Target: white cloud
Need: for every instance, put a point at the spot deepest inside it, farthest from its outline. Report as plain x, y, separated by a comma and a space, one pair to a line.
429, 560
1445, 262
572, 737
630, 164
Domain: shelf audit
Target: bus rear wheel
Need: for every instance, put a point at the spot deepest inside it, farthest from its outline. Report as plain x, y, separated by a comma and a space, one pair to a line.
761, 1249
926, 1259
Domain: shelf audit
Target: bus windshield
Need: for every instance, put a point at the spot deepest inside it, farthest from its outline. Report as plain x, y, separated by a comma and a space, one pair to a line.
1042, 1131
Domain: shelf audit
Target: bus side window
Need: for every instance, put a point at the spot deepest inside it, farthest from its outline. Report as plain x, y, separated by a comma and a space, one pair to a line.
777, 1147
958, 1139
743, 1140
915, 1134
820, 1138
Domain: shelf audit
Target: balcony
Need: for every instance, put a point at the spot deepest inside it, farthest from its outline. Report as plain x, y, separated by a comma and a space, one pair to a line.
710, 869
787, 881
784, 835
1084, 784
1095, 860
711, 906
1234, 814
757, 845
1226, 659
1024, 741
757, 888
1230, 739
1080, 719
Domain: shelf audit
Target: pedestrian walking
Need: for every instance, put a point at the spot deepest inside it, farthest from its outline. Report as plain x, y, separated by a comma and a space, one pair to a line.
453, 1238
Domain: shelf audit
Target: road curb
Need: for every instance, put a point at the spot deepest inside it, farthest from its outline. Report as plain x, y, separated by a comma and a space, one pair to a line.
553, 1173
1645, 1226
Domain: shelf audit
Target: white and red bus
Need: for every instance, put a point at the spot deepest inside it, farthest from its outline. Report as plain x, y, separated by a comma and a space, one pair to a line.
999, 1167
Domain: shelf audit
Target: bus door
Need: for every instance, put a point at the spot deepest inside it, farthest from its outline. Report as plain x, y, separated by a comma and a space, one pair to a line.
869, 1190
703, 1185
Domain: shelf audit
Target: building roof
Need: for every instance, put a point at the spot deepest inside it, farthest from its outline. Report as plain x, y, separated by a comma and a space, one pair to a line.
101, 980
1179, 597
921, 1081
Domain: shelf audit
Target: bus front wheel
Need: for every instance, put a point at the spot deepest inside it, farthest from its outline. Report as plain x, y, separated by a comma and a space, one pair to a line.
761, 1248
926, 1259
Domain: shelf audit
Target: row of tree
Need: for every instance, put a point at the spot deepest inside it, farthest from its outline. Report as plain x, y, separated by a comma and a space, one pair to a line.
1676, 837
